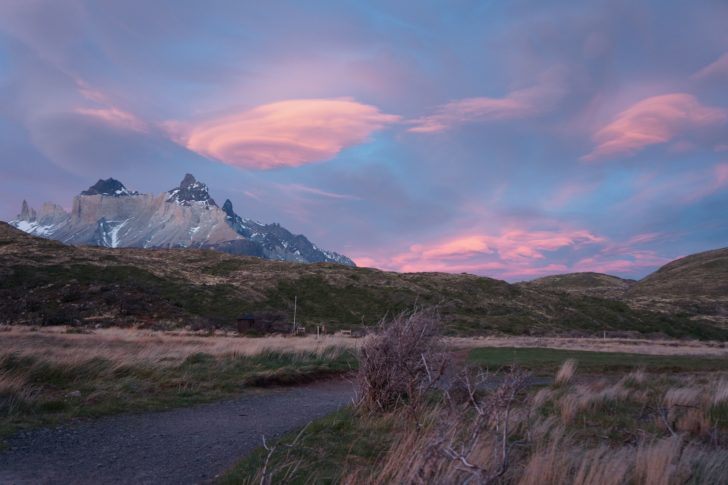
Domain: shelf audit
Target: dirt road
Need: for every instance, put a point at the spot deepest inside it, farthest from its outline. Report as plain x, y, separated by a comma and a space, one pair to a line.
180, 446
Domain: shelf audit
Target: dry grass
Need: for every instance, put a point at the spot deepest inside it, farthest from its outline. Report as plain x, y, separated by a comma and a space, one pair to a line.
641, 429
134, 346
48, 376
721, 393
565, 373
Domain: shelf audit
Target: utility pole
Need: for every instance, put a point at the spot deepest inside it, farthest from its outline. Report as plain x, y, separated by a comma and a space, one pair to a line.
295, 305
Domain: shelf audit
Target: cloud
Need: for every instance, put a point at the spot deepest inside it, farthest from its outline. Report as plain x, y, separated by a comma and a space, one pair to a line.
644, 237
283, 134
711, 182
512, 253
626, 262
719, 68
518, 104
519, 254
721, 173
652, 121
305, 189
115, 117
109, 113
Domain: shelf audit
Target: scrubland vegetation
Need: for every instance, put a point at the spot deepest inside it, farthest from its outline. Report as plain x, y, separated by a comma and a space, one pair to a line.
48, 377
46, 283
415, 421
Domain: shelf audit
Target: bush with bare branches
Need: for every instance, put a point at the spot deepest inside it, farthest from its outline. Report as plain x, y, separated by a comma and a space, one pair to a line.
402, 362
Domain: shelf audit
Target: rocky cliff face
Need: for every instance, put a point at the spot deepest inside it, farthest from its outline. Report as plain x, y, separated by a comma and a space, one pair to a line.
110, 215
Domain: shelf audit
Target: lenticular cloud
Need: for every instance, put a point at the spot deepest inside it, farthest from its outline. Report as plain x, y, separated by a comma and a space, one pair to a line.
284, 134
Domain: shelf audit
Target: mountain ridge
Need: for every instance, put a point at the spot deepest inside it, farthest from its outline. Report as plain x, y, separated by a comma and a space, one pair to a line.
108, 214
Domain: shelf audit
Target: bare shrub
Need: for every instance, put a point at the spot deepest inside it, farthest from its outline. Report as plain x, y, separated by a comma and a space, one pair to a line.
401, 363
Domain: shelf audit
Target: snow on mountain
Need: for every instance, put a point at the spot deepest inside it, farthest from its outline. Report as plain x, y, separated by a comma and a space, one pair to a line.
110, 187
109, 215
191, 192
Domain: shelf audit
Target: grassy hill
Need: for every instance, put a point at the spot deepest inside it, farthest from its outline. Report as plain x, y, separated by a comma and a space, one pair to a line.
700, 275
45, 282
592, 284
695, 286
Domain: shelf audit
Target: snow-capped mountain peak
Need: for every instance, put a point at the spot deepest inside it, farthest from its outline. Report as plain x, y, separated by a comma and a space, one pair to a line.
191, 191
109, 187
186, 216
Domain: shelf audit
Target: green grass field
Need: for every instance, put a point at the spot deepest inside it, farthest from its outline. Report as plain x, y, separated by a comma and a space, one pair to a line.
542, 361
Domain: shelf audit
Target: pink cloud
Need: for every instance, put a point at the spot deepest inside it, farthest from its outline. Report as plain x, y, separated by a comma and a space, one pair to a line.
114, 116
512, 253
713, 180
644, 238
627, 261
460, 247
719, 68
518, 104
305, 189
283, 134
721, 173
654, 120
109, 113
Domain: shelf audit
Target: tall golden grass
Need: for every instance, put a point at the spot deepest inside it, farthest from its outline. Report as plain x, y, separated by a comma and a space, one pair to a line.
562, 435
133, 346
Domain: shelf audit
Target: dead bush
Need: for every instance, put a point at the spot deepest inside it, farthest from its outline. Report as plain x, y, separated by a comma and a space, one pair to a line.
401, 363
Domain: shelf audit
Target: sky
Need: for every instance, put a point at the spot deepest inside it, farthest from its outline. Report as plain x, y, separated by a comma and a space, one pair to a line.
512, 139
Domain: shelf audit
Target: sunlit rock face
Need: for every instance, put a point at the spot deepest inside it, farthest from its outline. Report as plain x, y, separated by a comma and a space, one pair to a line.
110, 215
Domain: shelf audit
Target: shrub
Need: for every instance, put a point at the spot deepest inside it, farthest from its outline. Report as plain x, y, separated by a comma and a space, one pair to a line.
402, 362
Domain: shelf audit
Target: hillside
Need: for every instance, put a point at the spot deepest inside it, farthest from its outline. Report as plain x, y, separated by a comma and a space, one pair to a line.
45, 282
591, 284
696, 285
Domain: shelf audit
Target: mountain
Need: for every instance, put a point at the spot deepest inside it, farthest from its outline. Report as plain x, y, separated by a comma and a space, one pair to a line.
110, 187
45, 282
108, 214
696, 285
592, 284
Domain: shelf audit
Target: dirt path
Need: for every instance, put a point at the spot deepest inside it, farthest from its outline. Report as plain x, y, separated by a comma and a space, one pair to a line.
180, 446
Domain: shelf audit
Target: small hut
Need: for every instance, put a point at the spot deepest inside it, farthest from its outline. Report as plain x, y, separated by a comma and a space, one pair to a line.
264, 322
246, 323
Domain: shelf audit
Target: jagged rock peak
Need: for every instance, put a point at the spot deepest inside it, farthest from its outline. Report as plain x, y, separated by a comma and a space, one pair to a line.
25, 214
110, 187
191, 191
227, 208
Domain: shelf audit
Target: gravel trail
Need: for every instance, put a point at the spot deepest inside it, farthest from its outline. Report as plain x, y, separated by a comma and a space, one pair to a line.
181, 446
